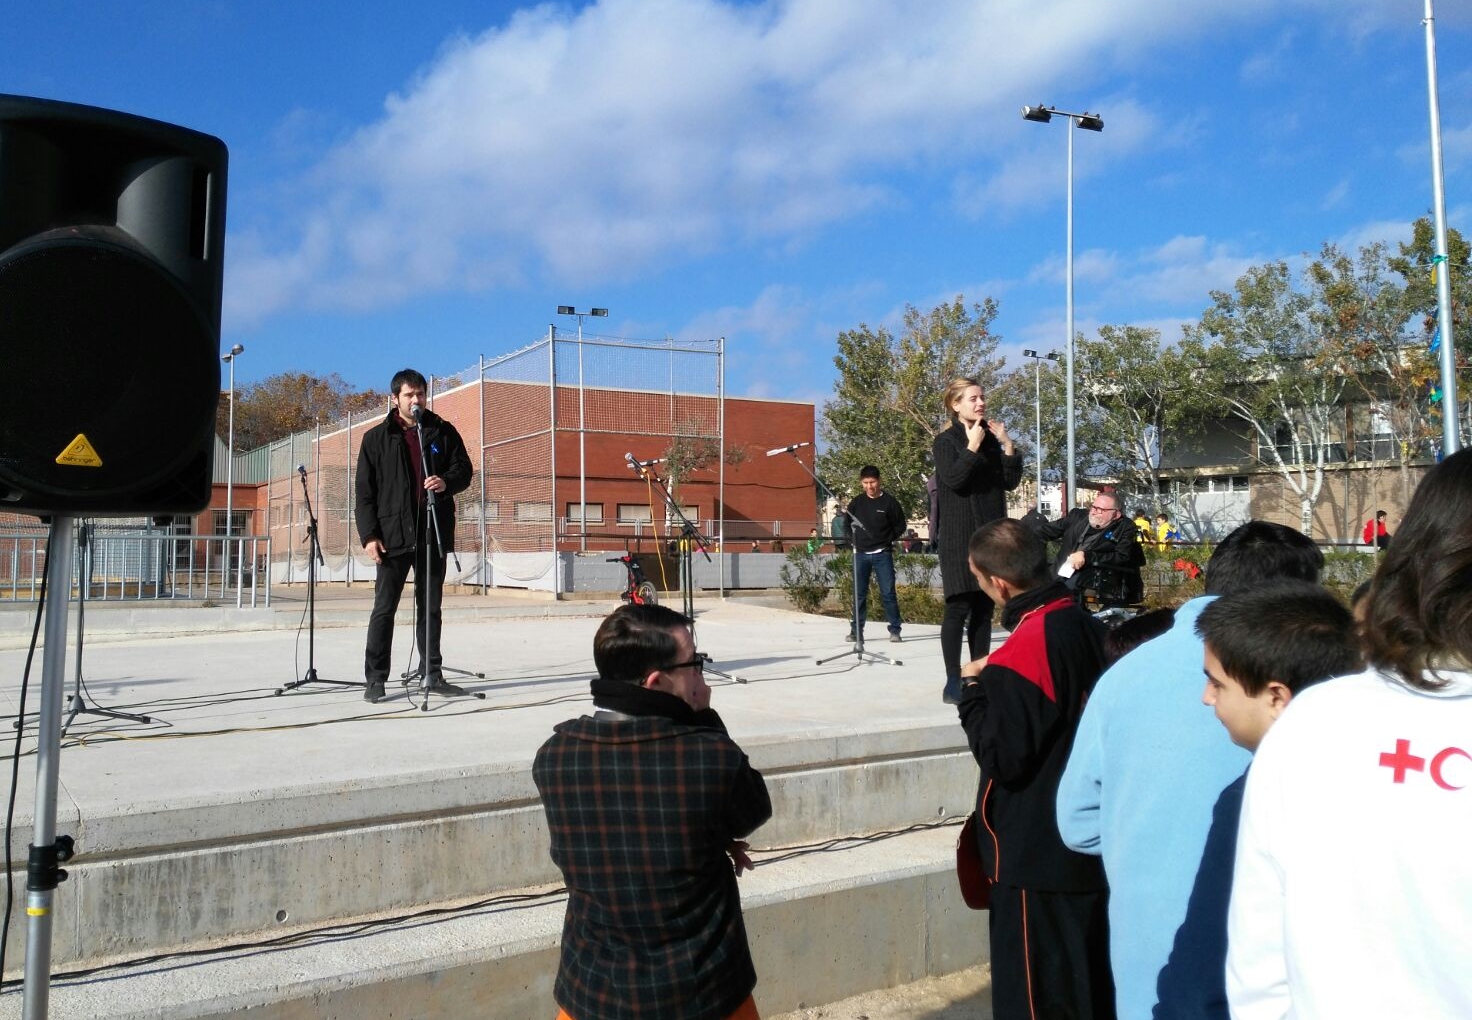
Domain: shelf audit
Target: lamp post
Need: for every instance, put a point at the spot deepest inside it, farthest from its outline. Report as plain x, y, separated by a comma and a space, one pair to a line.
1451, 433
229, 359
1037, 403
1089, 122
601, 313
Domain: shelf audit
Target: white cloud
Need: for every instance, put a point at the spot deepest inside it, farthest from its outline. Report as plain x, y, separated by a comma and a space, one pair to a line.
605, 142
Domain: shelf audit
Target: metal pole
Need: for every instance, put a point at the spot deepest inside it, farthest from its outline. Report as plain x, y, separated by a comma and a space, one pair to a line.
552, 453
230, 460
485, 560
1451, 435
721, 485
1068, 399
582, 458
42, 873
1037, 403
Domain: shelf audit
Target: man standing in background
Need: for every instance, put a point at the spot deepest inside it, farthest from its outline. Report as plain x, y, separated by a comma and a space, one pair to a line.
879, 522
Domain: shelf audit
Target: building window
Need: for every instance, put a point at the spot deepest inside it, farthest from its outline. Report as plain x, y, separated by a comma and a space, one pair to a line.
533, 511
593, 511
633, 513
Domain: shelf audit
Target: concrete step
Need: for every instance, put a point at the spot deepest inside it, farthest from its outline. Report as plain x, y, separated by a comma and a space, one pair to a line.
201, 872
827, 924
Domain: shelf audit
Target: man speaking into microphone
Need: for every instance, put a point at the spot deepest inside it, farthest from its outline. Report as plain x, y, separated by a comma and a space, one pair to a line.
396, 474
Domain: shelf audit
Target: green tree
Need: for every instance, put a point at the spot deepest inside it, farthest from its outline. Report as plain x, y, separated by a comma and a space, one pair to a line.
1131, 394
1261, 351
291, 402
1372, 321
886, 407
1414, 265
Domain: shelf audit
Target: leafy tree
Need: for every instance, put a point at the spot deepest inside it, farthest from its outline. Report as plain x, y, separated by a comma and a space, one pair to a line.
886, 407
1414, 266
291, 402
1371, 320
1132, 395
1274, 371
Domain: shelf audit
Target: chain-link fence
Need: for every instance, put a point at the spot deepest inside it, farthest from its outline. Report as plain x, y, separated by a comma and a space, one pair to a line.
541, 425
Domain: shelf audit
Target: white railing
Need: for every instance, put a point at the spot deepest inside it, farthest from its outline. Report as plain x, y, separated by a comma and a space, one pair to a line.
122, 566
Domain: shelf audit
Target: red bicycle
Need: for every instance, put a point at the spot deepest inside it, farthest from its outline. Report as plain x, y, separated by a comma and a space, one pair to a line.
639, 591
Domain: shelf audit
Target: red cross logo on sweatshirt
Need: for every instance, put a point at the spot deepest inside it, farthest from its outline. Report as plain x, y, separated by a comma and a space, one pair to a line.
1402, 761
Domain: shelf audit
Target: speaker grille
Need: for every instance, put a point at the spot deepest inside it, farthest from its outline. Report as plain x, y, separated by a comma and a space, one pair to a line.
96, 341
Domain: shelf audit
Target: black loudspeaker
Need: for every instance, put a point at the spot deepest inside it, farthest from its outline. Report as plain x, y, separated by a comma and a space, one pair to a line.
112, 232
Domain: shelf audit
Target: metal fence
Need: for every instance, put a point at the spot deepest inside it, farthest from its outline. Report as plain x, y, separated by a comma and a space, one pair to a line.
528, 418
135, 561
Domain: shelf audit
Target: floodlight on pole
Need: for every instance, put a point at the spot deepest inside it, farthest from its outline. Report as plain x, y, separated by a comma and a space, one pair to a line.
598, 313
1037, 403
229, 359
1089, 122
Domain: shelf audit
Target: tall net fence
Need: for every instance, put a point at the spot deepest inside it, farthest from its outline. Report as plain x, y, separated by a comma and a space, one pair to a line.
540, 424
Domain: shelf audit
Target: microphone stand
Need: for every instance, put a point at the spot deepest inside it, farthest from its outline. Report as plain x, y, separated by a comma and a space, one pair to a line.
77, 703
858, 631
690, 536
314, 557
424, 583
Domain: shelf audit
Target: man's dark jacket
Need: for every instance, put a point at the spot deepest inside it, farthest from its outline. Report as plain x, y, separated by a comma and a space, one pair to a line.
640, 812
1112, 555
1020, 717
882, 521
388, 504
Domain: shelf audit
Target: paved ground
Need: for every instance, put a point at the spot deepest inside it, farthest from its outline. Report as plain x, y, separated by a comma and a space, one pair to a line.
965, 995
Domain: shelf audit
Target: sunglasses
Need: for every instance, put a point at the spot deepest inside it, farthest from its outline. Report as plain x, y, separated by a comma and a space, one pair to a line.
698, 662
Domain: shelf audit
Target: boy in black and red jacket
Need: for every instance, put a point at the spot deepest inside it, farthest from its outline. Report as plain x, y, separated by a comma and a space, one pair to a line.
1020, 707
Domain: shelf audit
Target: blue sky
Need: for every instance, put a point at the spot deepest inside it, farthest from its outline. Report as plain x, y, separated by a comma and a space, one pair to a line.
425, 183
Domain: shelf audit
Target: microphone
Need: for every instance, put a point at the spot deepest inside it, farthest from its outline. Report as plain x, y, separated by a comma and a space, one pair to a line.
634, 464
301, 469
414, 411
787, 449
640, 465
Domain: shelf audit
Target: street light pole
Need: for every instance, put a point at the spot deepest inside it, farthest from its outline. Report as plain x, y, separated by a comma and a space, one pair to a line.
1451, 433
1037, 403
582, 463
229, 359
1089, 122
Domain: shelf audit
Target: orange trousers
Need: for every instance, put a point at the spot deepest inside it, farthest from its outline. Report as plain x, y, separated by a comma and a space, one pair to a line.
745, 1011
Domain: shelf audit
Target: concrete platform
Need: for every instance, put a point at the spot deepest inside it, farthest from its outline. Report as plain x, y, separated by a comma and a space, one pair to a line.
236, 815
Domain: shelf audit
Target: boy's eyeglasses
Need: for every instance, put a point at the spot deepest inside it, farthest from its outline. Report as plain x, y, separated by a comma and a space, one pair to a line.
698, 662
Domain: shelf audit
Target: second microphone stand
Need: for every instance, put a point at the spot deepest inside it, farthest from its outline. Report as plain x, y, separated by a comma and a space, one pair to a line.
314, 557
690, 540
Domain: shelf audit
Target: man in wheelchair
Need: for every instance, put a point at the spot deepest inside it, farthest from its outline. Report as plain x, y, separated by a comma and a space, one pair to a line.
1099, 557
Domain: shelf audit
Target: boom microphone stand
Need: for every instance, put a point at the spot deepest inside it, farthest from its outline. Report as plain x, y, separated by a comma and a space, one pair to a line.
858, 631
858, 625
690, 539
424, 581
314, 557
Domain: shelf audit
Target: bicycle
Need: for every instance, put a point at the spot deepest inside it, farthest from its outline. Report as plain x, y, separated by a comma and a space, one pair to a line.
639, 591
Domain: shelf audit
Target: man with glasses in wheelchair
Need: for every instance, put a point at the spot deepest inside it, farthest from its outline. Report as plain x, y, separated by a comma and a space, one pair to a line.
1099, 556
